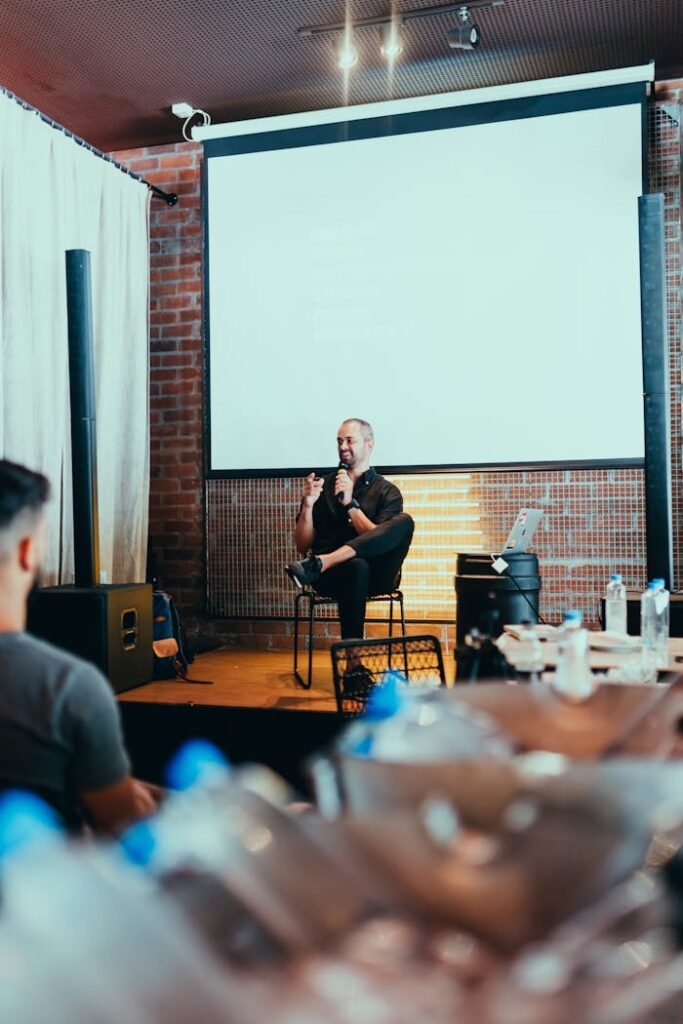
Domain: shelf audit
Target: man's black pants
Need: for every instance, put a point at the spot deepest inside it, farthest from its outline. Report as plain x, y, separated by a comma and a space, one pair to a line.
379, 556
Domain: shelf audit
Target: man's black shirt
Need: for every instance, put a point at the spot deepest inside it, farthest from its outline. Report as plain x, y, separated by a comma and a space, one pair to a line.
379, 499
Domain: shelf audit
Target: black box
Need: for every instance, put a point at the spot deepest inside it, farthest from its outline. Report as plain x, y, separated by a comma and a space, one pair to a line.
108, 625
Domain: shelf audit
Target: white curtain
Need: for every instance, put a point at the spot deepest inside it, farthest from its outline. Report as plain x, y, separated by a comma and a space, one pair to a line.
56, 195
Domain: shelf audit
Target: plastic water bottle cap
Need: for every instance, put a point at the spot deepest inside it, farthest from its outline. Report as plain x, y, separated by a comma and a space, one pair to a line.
197, 763
616, 576
362, 747
385, 700
139, 843
658, 582
574, 615
653, 585
25, 821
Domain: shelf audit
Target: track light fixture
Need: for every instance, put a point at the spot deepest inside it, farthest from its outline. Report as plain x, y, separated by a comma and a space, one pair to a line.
465, 35
391, 42
347, 54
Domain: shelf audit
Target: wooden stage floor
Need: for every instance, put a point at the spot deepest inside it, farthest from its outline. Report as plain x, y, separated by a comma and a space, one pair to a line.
244, 679
253, 711
241, 678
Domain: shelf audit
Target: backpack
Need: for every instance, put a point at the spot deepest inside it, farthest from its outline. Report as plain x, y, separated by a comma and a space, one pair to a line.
169, 644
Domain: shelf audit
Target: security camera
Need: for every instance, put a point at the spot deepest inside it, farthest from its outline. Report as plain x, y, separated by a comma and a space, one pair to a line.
464, 37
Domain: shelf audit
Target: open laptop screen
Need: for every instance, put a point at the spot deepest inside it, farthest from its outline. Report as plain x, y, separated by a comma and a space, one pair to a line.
522, 532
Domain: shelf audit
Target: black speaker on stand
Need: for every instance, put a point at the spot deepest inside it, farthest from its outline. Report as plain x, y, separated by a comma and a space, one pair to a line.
110, 626
656, 388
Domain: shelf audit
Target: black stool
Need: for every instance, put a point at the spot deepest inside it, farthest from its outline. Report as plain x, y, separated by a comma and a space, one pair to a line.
315, 600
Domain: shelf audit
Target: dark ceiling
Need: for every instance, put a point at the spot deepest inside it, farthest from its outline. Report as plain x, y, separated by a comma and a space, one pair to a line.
109, 69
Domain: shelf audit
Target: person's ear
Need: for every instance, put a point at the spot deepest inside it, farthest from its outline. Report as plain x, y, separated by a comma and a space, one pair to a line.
27, 551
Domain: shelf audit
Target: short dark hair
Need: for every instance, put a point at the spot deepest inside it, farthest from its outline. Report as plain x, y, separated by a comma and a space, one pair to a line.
365, 428
21, 490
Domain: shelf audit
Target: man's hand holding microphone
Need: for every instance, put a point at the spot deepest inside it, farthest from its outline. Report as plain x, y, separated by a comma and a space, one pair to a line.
343, 486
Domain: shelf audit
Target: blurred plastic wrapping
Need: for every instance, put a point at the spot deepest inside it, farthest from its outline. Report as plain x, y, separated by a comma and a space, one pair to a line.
459, 871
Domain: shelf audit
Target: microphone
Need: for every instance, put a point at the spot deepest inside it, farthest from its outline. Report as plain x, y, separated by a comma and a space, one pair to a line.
342, 469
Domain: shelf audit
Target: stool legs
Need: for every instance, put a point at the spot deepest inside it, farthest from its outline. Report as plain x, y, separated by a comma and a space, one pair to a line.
306, 682
301, 596
403, 634
297, 616
311, 613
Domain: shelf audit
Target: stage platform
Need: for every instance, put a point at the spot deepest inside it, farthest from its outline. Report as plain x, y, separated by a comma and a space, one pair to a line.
251, 708
238, 678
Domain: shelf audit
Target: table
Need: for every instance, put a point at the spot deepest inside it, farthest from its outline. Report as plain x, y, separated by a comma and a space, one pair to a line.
599, 660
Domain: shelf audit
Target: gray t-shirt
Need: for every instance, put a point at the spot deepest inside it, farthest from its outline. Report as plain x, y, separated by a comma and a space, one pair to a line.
60, 731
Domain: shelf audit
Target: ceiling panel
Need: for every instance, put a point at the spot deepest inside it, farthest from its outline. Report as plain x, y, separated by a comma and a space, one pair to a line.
109, 69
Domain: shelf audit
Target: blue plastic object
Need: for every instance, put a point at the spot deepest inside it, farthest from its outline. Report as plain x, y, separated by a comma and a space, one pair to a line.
387, 698
197, 763
25, 821
139, 843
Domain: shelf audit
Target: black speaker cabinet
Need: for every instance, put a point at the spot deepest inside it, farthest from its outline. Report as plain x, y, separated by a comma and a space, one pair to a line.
108, 625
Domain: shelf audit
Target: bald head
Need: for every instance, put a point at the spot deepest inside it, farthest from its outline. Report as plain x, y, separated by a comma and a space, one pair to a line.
367, 433
355, 441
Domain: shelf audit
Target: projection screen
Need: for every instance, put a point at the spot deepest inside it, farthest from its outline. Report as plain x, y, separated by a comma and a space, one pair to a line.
464, 275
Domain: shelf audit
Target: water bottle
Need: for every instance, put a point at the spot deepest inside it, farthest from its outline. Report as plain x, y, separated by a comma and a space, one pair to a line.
573, 676
425, 725
528, 655
662, 601
648, 632
615, 605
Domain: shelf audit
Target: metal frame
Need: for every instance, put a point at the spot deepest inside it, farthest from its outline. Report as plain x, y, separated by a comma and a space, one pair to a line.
399, 646
314, 600
399, 17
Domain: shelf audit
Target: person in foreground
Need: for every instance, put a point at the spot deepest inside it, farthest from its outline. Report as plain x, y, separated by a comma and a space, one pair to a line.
60, 734
355, 527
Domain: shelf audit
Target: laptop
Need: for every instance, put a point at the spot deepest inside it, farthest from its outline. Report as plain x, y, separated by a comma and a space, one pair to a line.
521, 534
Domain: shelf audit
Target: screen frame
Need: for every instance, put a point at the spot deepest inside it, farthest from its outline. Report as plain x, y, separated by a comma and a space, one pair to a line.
413, 122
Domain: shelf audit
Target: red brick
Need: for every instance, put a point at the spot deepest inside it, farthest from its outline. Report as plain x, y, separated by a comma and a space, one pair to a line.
178, 273
142, 164
177, 300
176, 160
173, 358
181, 387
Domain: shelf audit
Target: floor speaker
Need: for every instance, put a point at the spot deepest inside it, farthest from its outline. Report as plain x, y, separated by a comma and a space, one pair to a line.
110, 626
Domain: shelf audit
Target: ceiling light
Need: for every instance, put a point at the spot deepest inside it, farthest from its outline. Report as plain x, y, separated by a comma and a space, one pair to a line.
347, 54
391, 43
466, 35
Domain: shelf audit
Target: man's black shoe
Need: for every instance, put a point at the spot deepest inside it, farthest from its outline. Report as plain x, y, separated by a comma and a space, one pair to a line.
357, 682
305, 572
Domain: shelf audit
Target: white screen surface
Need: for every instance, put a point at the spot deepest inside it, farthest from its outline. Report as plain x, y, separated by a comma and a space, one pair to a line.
472, 291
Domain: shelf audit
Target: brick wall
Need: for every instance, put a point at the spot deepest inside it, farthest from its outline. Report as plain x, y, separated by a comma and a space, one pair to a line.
176, 371
594, 520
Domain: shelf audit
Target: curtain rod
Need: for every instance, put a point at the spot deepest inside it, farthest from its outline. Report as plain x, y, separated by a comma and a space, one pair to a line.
170, 198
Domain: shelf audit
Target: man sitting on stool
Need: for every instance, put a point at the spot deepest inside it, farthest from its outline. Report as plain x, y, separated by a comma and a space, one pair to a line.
353, 523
